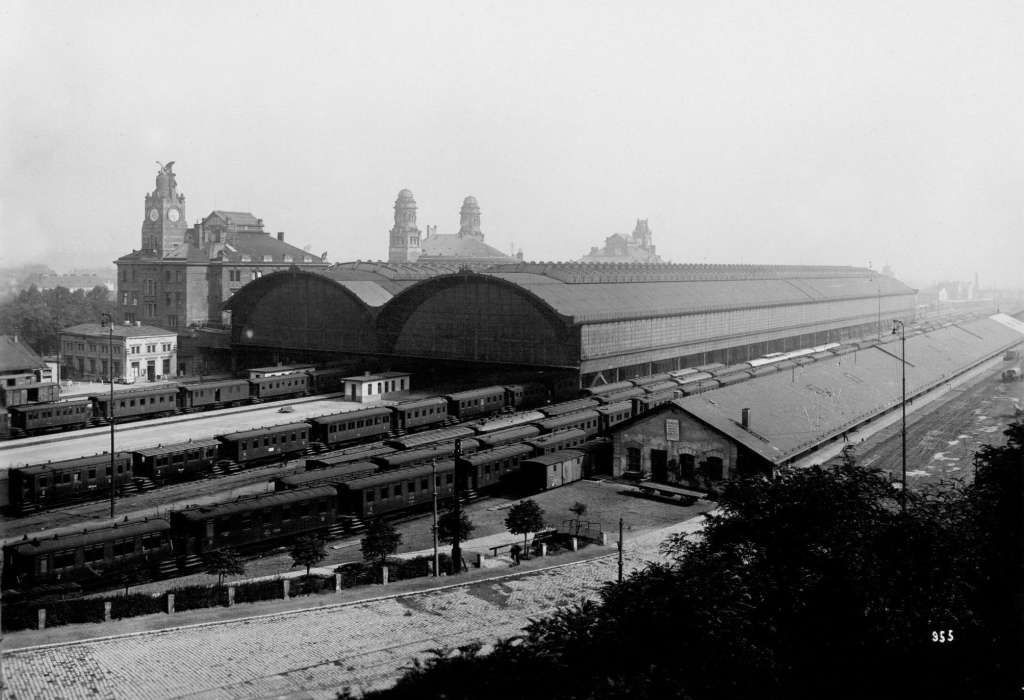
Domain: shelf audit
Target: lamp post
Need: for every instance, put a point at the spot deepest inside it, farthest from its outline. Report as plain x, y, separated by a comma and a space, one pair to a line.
457, 514
898, 325
110, 409
433, 481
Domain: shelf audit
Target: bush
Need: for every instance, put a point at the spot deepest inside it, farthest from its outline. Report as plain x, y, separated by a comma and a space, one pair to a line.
20, 617
312, 585
72, 612
358, 574
258, 590
195, 597
136, 604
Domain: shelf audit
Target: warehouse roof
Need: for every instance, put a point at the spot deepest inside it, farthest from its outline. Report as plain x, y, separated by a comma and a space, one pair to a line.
795, 410
16, 355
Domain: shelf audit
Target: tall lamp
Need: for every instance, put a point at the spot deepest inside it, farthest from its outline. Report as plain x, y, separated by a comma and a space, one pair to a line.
897, 325
109, 323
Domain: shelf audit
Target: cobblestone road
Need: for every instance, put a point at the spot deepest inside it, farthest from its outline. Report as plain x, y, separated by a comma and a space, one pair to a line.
311, 653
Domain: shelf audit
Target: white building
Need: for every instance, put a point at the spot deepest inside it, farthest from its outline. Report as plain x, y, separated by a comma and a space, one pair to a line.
140, 353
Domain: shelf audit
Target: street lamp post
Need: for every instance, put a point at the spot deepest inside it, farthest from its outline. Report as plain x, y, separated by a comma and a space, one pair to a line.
433, 481
457, 514
110, 409
897, 324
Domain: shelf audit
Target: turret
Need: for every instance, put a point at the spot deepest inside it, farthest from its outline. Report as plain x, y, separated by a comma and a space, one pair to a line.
404, 242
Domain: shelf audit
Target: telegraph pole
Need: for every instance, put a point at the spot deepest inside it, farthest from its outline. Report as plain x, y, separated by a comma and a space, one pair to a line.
620, 550
903, 431
433, 478
110, 409
457, 513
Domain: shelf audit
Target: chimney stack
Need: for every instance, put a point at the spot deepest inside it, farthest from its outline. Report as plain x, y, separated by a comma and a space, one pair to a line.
745, 418
280, 236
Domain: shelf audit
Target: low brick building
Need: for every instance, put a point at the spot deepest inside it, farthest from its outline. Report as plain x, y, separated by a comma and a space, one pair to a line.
140, 353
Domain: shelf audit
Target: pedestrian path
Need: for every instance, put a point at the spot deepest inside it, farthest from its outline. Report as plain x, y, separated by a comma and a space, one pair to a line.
316, 651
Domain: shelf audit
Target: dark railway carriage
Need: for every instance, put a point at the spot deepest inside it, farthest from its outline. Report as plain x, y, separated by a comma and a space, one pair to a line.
642, 404
406, 458
487, 469
332, 459
178, 462
507, 436
249, 522
280, 387
569, 406
229, 392
525, 395
608, 388
151, 402
279, 441
553, 442
429, 437
325, 477
412, 415
587, 421
623, 395
696, 382
730, 379
652, 379
476, 402
328, 381
663, 385
91, 556
763, 370
394, 491
614, 413
39, 418
360, 424
53, 484
510, 421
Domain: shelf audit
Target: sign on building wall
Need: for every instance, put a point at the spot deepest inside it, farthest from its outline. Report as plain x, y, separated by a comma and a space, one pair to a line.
671, 429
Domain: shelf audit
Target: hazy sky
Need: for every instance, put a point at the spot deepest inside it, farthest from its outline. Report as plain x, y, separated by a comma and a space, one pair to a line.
774, 132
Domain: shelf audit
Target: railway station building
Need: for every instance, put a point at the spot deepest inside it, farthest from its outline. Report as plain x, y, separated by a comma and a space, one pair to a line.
592, 323
140, 353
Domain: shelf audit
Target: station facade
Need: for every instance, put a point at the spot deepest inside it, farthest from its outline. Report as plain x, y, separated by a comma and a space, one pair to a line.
596, 323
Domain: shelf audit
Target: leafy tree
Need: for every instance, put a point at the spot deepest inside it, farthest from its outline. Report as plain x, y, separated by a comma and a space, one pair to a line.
524, 518
578, 509
223, 562
448, 528
813, 584
38, 316
381, 540
307, 551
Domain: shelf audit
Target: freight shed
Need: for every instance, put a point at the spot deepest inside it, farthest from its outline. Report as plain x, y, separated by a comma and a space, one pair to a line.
774, 420
600, 322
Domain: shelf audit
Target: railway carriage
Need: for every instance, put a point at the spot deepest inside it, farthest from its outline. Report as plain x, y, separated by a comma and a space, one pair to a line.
587, 421
395, 491
429, 437
525, 395
216, 394
405, 458
507, 436
569, 406
329, 380
328, 476
177, 462
642, 404
510, 421
66, 481
412, 415
279, 441
39, 418
651, 379
489, 468
360, 454
476, 402
561, 440
253, 521
622, 395
552, 470
90, 556
355, 425
279, 386
150, 402
663, 385
609, 388
612, 414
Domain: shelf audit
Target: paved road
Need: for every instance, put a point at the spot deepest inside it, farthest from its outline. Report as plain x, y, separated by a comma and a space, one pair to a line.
315, 651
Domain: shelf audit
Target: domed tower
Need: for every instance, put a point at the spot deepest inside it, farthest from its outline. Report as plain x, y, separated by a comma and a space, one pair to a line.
469, 219
405, 237
164, 224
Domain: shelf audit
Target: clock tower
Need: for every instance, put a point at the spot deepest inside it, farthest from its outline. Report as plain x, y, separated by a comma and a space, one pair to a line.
164, 224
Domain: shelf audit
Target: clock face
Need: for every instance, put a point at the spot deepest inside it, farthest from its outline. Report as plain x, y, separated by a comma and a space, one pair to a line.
172, 214
154, 215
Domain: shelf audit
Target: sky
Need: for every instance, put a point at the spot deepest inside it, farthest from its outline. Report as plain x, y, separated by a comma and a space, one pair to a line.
818, 132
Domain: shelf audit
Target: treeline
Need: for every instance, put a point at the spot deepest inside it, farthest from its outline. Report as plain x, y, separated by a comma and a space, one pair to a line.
37, 316
813, 585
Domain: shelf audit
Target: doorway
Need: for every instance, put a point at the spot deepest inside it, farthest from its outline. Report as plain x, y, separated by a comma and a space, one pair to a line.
659, 465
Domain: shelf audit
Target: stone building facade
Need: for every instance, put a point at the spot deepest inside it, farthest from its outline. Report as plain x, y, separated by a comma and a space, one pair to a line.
140, 353
182, 276
636, 247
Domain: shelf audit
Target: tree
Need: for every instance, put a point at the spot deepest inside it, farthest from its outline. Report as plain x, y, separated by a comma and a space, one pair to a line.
524, 518
308, 551
381, 540
223, 562
578, 509
448, 528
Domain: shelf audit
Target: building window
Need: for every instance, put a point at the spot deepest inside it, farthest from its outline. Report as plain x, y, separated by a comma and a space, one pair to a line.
268, 258
167, 298
633, 459
167, 275
117, 368
150, 287
177, 298
167, 367
129, 317
135, 299
179, 275
124, 298
172, 321
150, 309
135, 349
256, 274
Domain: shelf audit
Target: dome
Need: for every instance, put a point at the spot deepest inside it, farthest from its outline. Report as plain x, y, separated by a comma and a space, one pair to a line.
469, 201
405, 195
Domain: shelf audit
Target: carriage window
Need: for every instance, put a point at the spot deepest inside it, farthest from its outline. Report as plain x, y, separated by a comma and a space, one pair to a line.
447, 478
94, 553
153, 541
397, 491
369, 495
124, 547
92, 474
66, 478
63, 560
44, 482
423, 484
286, 514
384, 492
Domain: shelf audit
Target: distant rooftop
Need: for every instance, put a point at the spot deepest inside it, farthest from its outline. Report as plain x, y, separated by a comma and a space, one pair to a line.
16, 355
121, 331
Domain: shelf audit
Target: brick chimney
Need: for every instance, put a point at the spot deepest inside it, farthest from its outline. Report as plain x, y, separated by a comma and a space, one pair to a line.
745, 418
280, 236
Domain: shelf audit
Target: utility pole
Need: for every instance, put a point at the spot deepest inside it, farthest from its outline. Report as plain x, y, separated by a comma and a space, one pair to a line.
110, 409
903, 430
433, 479
457, 512
620, 550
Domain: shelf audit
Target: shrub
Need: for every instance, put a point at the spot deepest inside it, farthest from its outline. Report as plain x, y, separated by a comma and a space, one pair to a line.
195, 597
312, 585
136, 604
259, 590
